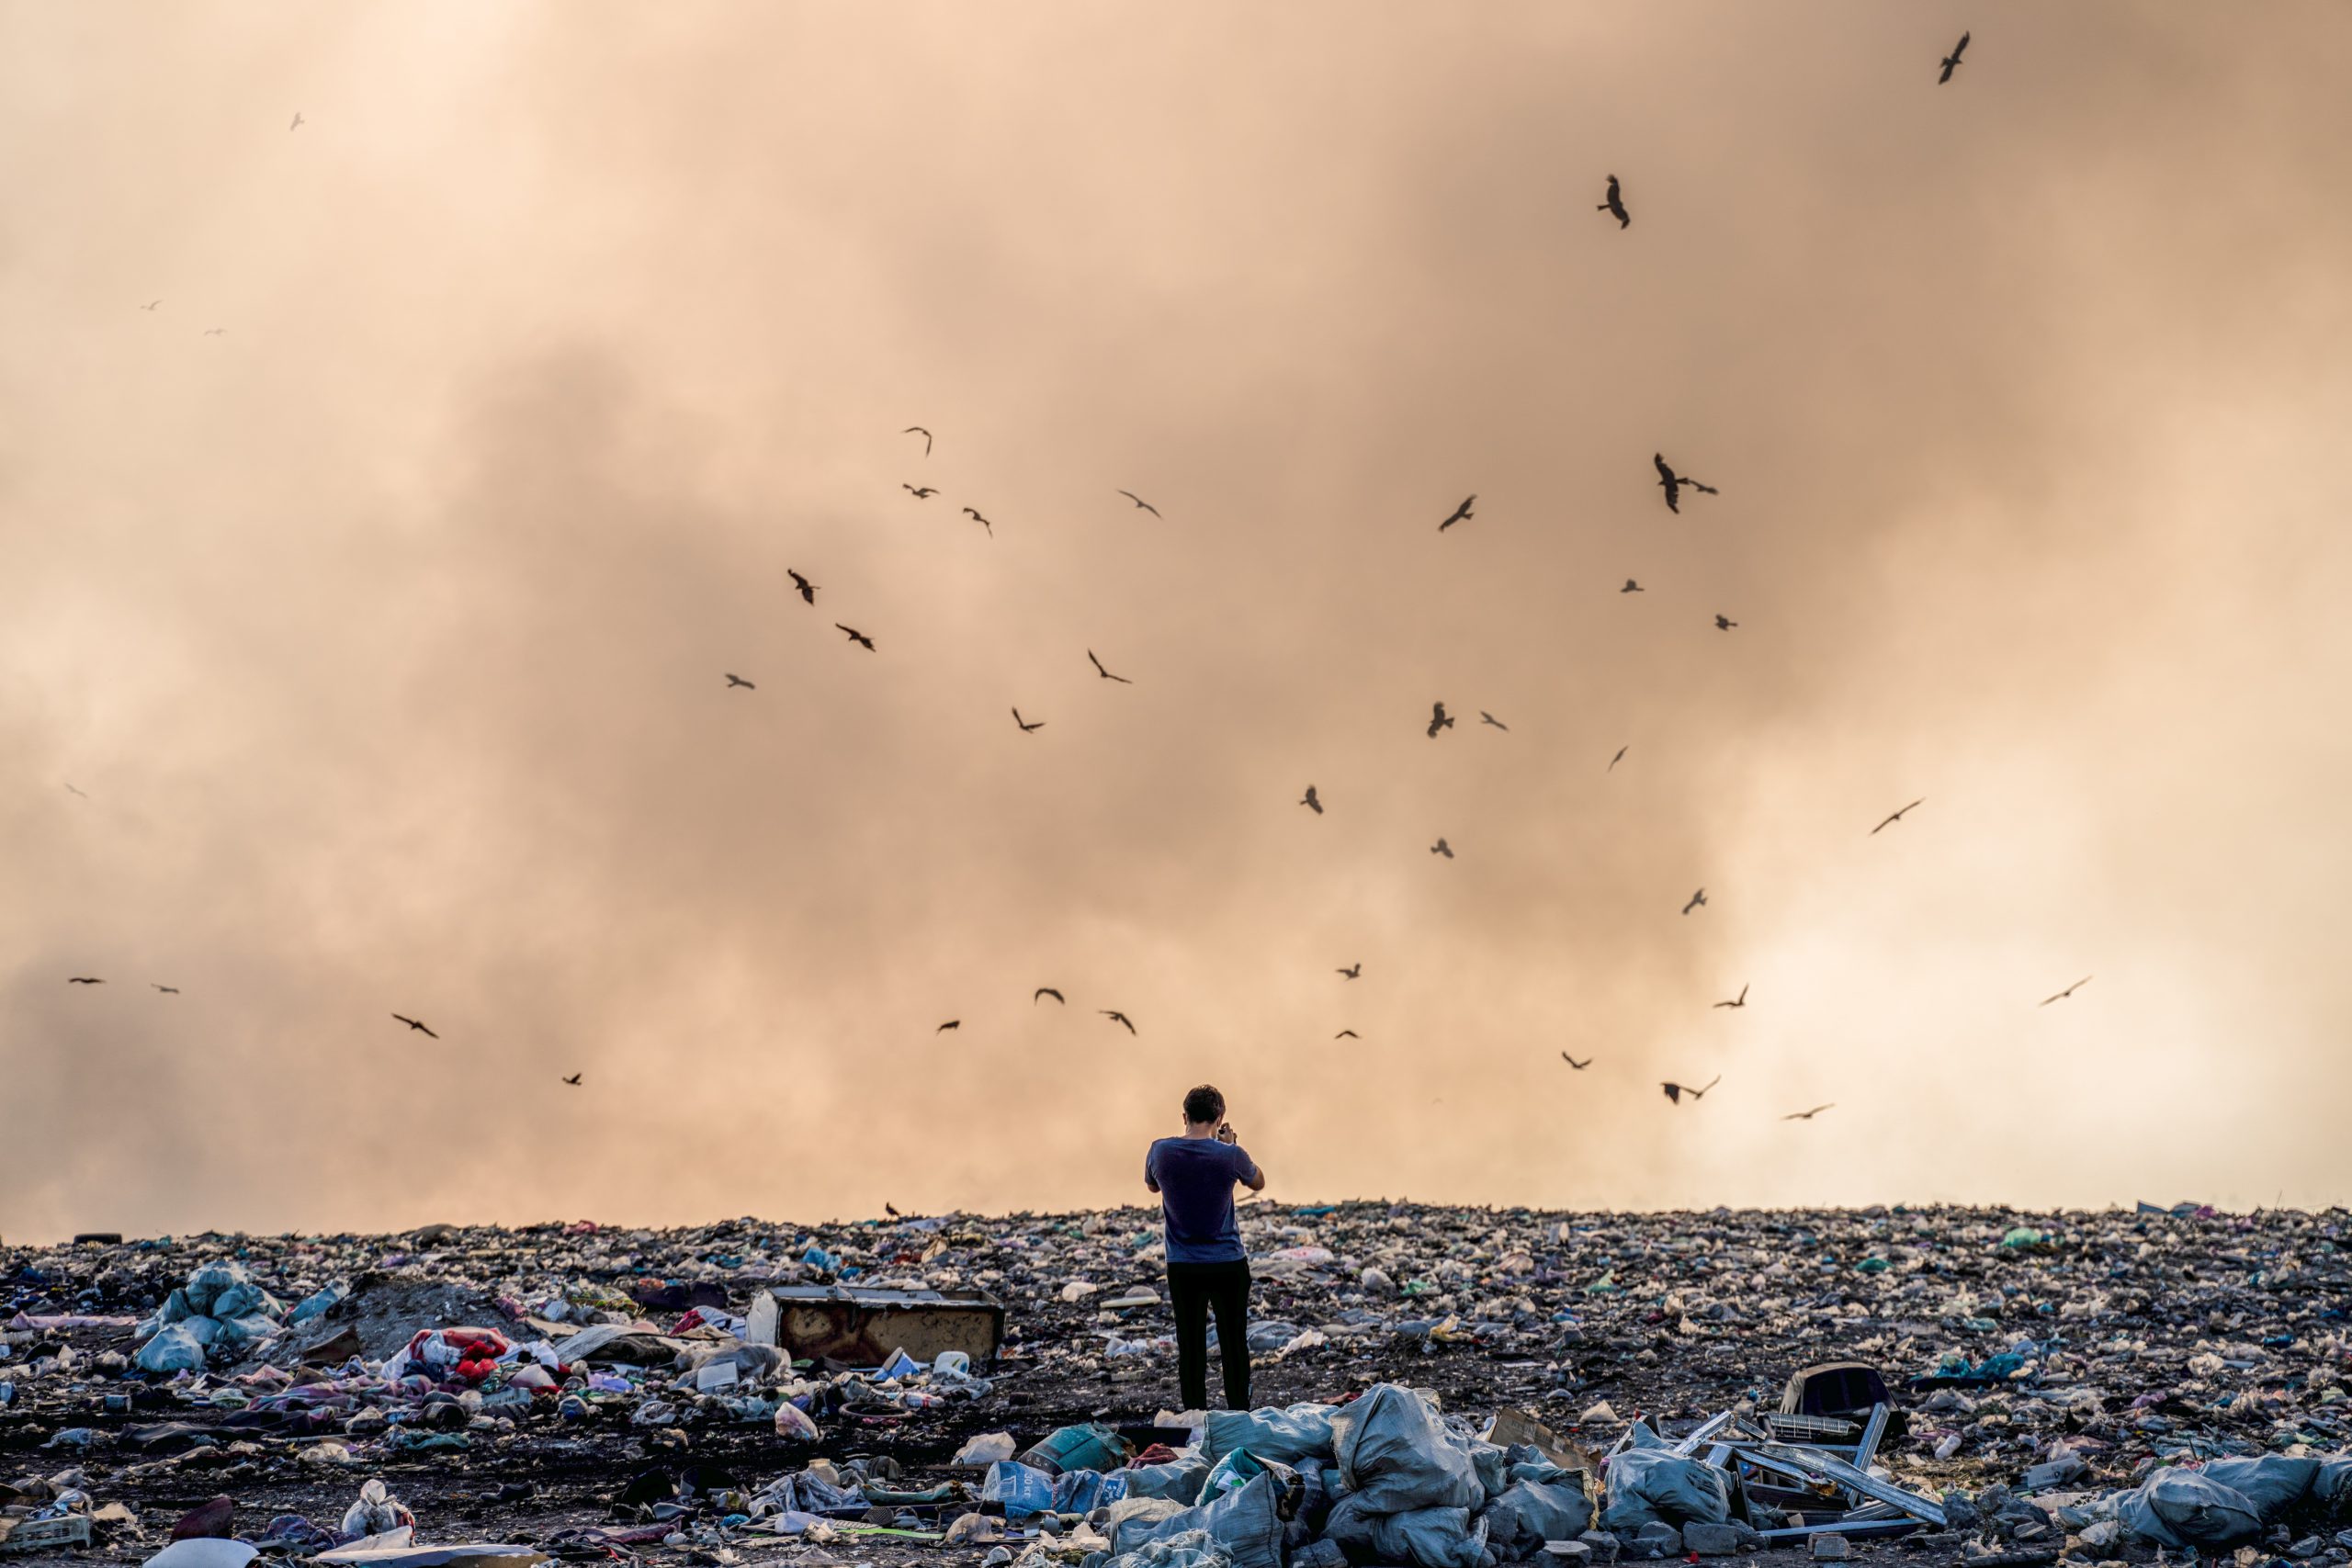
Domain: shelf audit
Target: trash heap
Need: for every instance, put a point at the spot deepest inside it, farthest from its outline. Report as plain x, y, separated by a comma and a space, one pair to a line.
669, 1391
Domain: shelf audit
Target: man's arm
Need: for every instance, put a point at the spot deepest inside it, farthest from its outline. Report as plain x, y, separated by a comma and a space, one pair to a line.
1254, 1179
1150, 1182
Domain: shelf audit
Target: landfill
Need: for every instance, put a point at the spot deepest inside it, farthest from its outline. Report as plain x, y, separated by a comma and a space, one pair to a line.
1443, 1387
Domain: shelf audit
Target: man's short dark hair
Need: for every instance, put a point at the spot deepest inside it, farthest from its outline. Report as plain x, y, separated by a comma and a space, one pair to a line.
1204, 1105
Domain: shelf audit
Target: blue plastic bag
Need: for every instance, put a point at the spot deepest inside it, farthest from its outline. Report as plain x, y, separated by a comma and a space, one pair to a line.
1022, 1490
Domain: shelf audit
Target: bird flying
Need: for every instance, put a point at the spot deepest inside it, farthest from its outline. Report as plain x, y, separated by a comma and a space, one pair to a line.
1675, 1091
1352, 970
1437, 720
1738, 1001
1894, 817
297, 121
1809, 1115
1460, 513
974, 514
1574, 1063
1025, 725
1115, 1016
214, 331
1951, 60
1311, 800
2065, 994
1047, 992
951, 1023
1486, 717
1442, 848
150, 304
855, 635
573, 1080
806, 588
1140, 502
415, 1025
70, 787
1697, 900
1633, 587
1122, 680
919, 430
1347, 1035
167, 990
84, 980
1615, 205
1617, 758
1724, 624
734, 681
921, 492
1673, 483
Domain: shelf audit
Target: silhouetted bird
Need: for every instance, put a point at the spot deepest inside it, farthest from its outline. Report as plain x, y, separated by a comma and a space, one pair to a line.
1951, 60
739, 681
1809, 1115
573, 1080
855, 635
150, 304
1633, 587
1047, 991
84, 980
167, 990
1122, 680
1724, 624
921, 492
206, 1522
1025, 725
974, 514
1675, 1091
215, 331
1486, 717
2065, 994
889, 1211
919, 430
70, 790
1897, 815
297, 121
1673, 482
418, 1027
807, 588
1442, 848
1615, 205
1352, 970
1738, 1001
1574, 1063
951, 1023
1310, 800
1460, 514
1117, 1017
1140, 502
1438, 719
1696, 900
1347, 1035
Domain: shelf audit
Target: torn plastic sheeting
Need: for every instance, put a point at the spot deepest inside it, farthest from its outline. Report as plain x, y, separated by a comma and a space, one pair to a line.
1179, 1480
1287, 1437
1246, 1523
1190, 1549
465, 1554
1394, 1452
1434, 1537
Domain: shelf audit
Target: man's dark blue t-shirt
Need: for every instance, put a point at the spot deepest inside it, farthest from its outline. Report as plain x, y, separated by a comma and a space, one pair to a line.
1196, 1177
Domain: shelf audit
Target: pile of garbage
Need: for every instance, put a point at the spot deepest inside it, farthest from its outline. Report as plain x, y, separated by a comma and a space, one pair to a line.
670, 1391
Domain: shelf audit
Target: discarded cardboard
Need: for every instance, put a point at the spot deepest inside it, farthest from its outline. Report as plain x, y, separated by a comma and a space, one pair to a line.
862, 1327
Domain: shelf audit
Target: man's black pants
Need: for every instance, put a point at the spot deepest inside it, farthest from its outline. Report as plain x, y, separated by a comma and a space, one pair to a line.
1193, 1289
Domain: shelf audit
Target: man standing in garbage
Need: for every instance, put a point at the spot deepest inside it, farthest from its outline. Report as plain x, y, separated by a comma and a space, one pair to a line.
1207, 1269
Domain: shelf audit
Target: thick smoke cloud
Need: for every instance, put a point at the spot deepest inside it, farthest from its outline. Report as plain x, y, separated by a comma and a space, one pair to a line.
384, 631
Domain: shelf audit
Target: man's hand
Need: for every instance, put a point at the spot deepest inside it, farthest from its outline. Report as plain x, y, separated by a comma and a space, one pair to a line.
1226, 1134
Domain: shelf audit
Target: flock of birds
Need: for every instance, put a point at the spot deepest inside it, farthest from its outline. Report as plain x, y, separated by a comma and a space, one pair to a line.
1673, 482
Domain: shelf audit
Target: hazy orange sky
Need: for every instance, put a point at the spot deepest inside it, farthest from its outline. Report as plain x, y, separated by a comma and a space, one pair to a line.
384, 631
